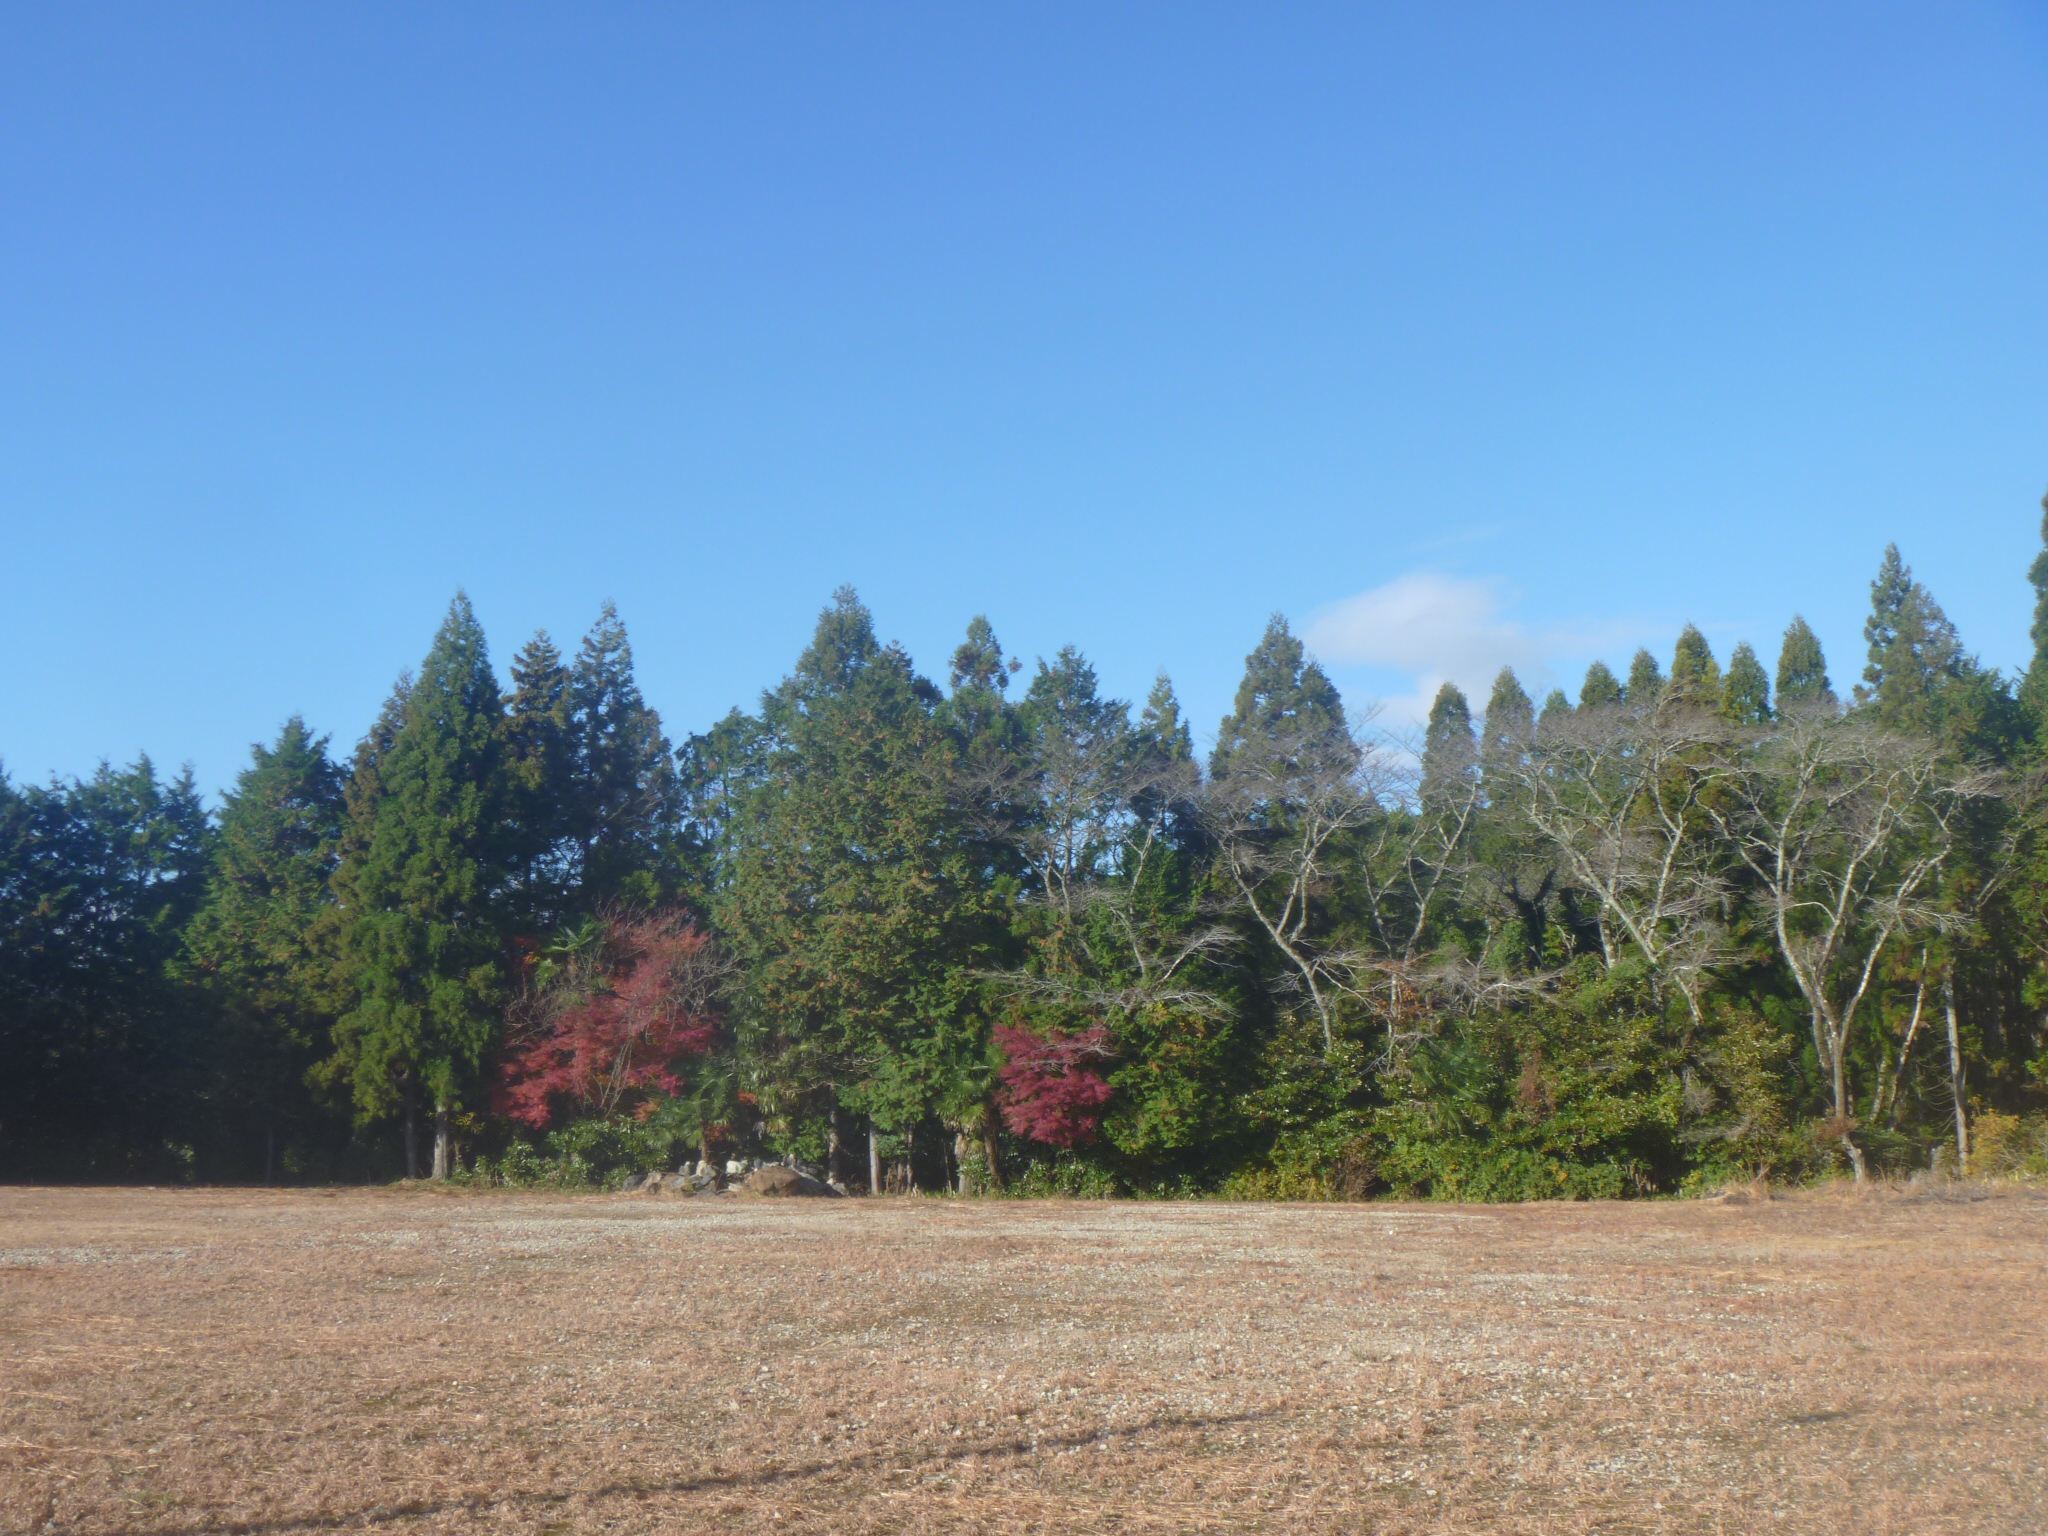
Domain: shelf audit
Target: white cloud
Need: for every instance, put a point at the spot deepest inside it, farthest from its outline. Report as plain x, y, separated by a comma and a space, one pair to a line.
1423, 622
1432, 629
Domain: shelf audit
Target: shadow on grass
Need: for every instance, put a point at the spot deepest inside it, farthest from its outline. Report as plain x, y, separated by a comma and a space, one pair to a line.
378, 1513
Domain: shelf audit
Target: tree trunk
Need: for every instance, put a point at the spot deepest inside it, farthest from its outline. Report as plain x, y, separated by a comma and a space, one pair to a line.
960, 1160
412, 1129
1856, 1158
444, 1143
832, 1148
874, 1161
991, 1147
1955, 1073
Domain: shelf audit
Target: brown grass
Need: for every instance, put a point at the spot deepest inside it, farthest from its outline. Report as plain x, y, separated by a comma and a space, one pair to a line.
423, 1361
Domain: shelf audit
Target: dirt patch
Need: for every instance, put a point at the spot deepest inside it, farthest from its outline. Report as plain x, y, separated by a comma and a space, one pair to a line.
176, 1362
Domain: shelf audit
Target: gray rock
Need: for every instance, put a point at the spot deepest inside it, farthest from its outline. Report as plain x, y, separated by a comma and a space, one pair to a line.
777, 1182
635, 1182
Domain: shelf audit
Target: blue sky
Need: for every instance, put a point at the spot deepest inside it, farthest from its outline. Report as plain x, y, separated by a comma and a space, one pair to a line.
1460, 334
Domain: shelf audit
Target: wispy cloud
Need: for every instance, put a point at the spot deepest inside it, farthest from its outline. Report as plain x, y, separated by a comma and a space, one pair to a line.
1423, 622
1431, 629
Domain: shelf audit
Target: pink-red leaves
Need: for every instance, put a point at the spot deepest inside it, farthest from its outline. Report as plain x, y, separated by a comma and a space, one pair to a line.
615, 1028
1050, 1089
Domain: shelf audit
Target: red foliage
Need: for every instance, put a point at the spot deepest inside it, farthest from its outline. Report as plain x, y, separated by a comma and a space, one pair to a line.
1049, 1091
612, 1031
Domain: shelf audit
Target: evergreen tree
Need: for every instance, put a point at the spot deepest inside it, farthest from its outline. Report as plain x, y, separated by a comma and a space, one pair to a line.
101, 1052
1915, 652
254, 943
1695, 675
1283, 697
1802, 669
980, 713
2034, 686
978, 660
1161, 728
1450, 754
1556, 710
848, 894
1510, 719
540, 772
1601, 689
1746, 692
1645, 681
624, 800
422, 881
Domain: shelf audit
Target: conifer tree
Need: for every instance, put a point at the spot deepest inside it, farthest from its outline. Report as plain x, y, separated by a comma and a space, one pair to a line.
1285, 793
99, 1051
1695, 675
421, 883
847, 894
1283, 697
1601, 689
2034, 686
624, 802
1556, 710
1645, 681
981, 715
254, 945
1510, 719
1450, 753
540, 770
1914, 650
1802, 669
1161, 728
1746, 692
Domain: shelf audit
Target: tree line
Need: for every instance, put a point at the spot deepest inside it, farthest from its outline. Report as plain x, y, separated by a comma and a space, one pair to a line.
1010, 933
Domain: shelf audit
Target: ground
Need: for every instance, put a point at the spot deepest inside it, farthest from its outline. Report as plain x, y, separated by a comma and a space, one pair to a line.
416, 1360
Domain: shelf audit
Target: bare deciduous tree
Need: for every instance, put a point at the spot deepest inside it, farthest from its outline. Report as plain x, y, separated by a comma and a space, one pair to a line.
1282, 817
1845, 828
1621, 794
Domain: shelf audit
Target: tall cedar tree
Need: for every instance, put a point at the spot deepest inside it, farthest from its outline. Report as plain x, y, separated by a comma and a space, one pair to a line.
1283, 697
1645, 681
1695, 675
1802, 669
1914, 650
845, 893
421, 888
1450, 755
1920, 679
1510, 720
100, 1051
1160, 724
1556, 709
623, 800
2034, 687
1601, 689
1746, 691
254, 945
540, 785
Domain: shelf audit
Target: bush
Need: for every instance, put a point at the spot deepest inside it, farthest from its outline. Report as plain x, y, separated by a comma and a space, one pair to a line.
2009, 1146
585, 1154
1068, 1178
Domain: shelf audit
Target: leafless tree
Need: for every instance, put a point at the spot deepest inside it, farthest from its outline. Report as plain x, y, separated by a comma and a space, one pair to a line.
1845, 828
1410, 864
1621, 794
1282, 819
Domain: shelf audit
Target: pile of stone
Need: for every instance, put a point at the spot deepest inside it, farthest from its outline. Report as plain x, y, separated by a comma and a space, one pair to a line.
741, 1175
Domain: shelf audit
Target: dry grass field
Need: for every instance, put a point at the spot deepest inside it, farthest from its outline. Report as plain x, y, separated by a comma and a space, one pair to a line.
421, 1361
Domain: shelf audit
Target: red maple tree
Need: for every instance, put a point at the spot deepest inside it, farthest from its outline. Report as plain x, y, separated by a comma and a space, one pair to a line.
613, 1024
1050, 1090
